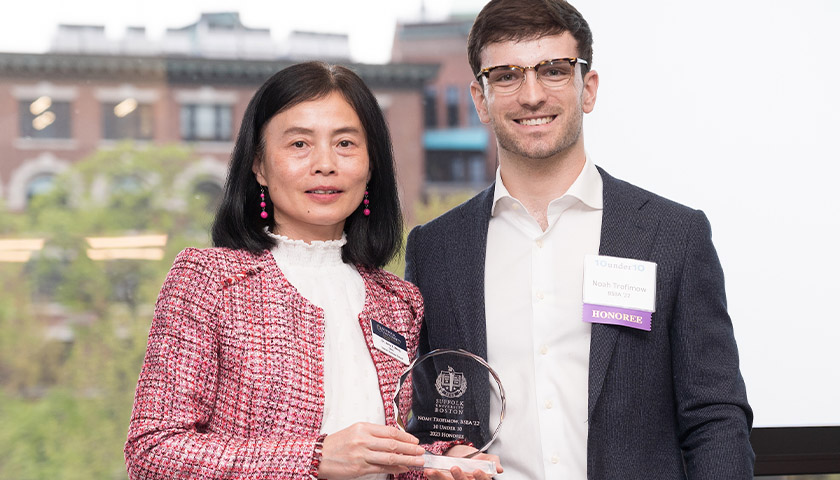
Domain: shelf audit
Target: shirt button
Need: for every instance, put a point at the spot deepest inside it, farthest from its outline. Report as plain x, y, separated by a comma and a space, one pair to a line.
549, 404
540, 296
555, 458
539, 243
543, 350
515, 206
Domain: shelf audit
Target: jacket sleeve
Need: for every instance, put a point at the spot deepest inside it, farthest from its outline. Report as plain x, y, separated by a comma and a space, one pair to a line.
436, 448
714, 418
411, 275
177, 393
410, 255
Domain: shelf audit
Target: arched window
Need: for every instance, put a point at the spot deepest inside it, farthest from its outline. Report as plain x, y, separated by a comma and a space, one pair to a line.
208, 194
127, 184
39, 185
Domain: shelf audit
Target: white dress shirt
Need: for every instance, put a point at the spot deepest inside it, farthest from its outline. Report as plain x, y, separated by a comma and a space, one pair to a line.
536, 338
351, 386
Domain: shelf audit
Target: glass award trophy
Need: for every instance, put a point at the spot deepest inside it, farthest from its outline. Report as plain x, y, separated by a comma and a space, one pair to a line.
451, 396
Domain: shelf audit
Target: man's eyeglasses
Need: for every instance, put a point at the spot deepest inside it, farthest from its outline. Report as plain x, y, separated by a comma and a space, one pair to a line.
551, 73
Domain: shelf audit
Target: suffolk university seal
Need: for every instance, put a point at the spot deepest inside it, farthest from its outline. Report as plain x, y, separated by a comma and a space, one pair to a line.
451, 384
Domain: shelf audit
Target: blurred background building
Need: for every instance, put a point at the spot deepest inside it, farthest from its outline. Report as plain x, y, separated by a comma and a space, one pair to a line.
459, 153
192, 86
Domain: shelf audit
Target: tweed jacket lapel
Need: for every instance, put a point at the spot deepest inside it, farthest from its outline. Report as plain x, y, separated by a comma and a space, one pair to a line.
466, 275
626, 231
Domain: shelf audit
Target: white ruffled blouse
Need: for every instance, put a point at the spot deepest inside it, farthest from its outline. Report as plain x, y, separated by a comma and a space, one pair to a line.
351, 387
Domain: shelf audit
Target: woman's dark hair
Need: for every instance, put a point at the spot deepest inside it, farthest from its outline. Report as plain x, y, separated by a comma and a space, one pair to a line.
512, 20
371, 241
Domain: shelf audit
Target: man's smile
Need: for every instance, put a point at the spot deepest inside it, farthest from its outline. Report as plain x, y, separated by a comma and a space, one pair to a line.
535, 121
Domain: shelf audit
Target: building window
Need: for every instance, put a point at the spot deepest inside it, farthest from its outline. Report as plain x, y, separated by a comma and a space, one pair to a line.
127, 185
452, 104
208, 194
39, 185
430, 107
456, 167
206, 122
127, 119
44, 118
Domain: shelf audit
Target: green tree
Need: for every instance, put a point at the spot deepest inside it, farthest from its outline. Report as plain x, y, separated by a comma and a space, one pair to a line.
65, 401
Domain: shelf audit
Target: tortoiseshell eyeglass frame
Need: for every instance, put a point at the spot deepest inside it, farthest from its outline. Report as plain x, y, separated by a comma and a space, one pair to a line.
485, 72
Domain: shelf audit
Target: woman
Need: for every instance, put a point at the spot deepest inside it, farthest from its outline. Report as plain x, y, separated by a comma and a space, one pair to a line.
261, 346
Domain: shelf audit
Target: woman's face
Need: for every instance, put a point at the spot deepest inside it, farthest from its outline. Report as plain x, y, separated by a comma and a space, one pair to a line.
315, 167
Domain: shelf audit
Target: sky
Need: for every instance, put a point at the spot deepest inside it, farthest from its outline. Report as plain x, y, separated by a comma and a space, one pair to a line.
369, 23
731, 107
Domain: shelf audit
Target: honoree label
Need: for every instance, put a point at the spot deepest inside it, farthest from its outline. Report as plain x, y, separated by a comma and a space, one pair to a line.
619, 291
389, 342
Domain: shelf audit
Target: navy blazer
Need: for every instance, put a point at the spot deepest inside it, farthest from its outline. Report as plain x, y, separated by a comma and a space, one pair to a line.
665, 404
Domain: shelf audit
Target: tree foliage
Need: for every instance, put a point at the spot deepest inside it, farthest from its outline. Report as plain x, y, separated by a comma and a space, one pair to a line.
73, 329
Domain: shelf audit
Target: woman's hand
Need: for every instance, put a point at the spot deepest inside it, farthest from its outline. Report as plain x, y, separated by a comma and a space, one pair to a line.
365, 448
456, 473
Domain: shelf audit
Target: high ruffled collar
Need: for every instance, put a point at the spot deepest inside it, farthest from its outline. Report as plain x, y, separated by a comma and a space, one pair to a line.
315, 254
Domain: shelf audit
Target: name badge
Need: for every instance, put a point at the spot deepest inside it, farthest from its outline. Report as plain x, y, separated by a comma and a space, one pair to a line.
619, 291
389, 342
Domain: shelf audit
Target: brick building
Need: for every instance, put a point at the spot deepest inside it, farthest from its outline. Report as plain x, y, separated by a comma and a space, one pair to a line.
460, 153
88, 94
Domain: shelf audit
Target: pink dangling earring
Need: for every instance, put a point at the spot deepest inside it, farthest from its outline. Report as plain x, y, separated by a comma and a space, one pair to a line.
263, 214
366, 203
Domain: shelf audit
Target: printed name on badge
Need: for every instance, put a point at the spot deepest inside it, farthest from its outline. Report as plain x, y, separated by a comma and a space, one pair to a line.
389, 342
619, 291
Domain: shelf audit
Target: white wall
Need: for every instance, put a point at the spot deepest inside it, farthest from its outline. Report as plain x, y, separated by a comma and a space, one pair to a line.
732, 107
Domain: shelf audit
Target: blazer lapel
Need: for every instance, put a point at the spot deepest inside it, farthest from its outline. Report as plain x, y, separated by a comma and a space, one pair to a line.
466, 275
628, 233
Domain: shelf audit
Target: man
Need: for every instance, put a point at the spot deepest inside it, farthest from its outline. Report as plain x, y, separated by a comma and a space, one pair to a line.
502, 275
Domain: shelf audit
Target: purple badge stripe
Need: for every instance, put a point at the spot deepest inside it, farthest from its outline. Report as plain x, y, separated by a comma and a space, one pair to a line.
616, 316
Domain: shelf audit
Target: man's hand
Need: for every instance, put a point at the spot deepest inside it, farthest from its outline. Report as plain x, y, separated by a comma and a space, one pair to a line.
456, 473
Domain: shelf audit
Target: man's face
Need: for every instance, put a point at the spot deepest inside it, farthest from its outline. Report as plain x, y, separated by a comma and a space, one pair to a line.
536, 121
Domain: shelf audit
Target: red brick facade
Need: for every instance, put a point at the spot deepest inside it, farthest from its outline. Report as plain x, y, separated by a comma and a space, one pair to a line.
87, 81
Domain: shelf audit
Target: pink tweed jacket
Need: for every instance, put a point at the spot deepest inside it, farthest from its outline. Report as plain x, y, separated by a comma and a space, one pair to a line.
232, 382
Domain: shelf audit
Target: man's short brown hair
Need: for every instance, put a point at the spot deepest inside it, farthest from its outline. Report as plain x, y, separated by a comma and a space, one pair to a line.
506, 20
